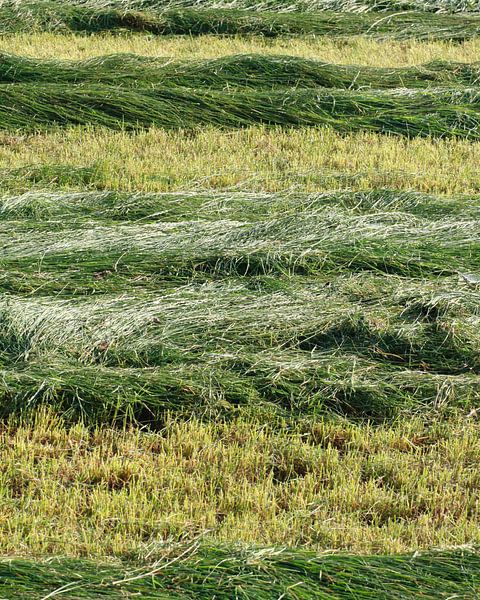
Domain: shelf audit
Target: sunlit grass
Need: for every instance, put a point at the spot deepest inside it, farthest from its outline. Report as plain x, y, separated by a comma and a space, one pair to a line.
354, 50
252, 159
323, 485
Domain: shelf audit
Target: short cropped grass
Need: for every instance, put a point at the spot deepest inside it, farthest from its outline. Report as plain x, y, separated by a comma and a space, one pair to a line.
321, 485
354, 50
255, 159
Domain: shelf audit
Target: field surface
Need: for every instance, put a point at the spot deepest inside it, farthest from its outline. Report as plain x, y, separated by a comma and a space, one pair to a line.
239, 299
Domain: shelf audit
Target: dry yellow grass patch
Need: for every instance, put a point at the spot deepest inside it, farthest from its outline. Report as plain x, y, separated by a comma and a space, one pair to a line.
79, 492
252, 159
357, 50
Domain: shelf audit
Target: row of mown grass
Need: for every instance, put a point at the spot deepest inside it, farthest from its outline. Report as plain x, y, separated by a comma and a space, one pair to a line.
220, 304
340, 239
226, 573
53, 16
449, 112
254, 71
288, 5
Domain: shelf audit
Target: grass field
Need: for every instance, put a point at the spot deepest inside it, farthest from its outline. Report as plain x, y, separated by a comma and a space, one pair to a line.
239, 300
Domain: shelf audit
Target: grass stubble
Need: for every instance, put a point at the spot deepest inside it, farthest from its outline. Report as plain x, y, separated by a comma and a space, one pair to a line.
259, 159
354, 50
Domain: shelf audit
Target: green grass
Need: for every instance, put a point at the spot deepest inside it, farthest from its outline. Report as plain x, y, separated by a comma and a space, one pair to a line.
437, 113
184, 373
375, 311
226, 573
338, 240
52, 210
251, 71
51, 16
289, 5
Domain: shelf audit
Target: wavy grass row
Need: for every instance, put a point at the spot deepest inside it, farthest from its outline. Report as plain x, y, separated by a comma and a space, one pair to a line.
197, 571
218, 349
360, 304
337, 239
52, 210
361, 6
435, 112
254, 71
53, 16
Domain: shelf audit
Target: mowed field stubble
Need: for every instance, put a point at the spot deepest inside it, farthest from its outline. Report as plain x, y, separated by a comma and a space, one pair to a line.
239, 300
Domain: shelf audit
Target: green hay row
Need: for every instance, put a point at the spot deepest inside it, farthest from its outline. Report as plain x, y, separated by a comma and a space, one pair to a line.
56, 210
167, 334
336, 241
201, 571
132, 241
366, 347
52, 16
252, 71
437, 113
360, 6
395, 322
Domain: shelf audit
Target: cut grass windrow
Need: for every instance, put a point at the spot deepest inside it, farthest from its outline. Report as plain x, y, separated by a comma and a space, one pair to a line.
254, 71
303, 350
142, 240
53, 16
203, 571
360, 6
317, 242
57, 210
436, 112
360, 338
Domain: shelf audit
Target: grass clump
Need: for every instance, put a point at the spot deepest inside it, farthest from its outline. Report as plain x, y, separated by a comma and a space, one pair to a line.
52, 16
